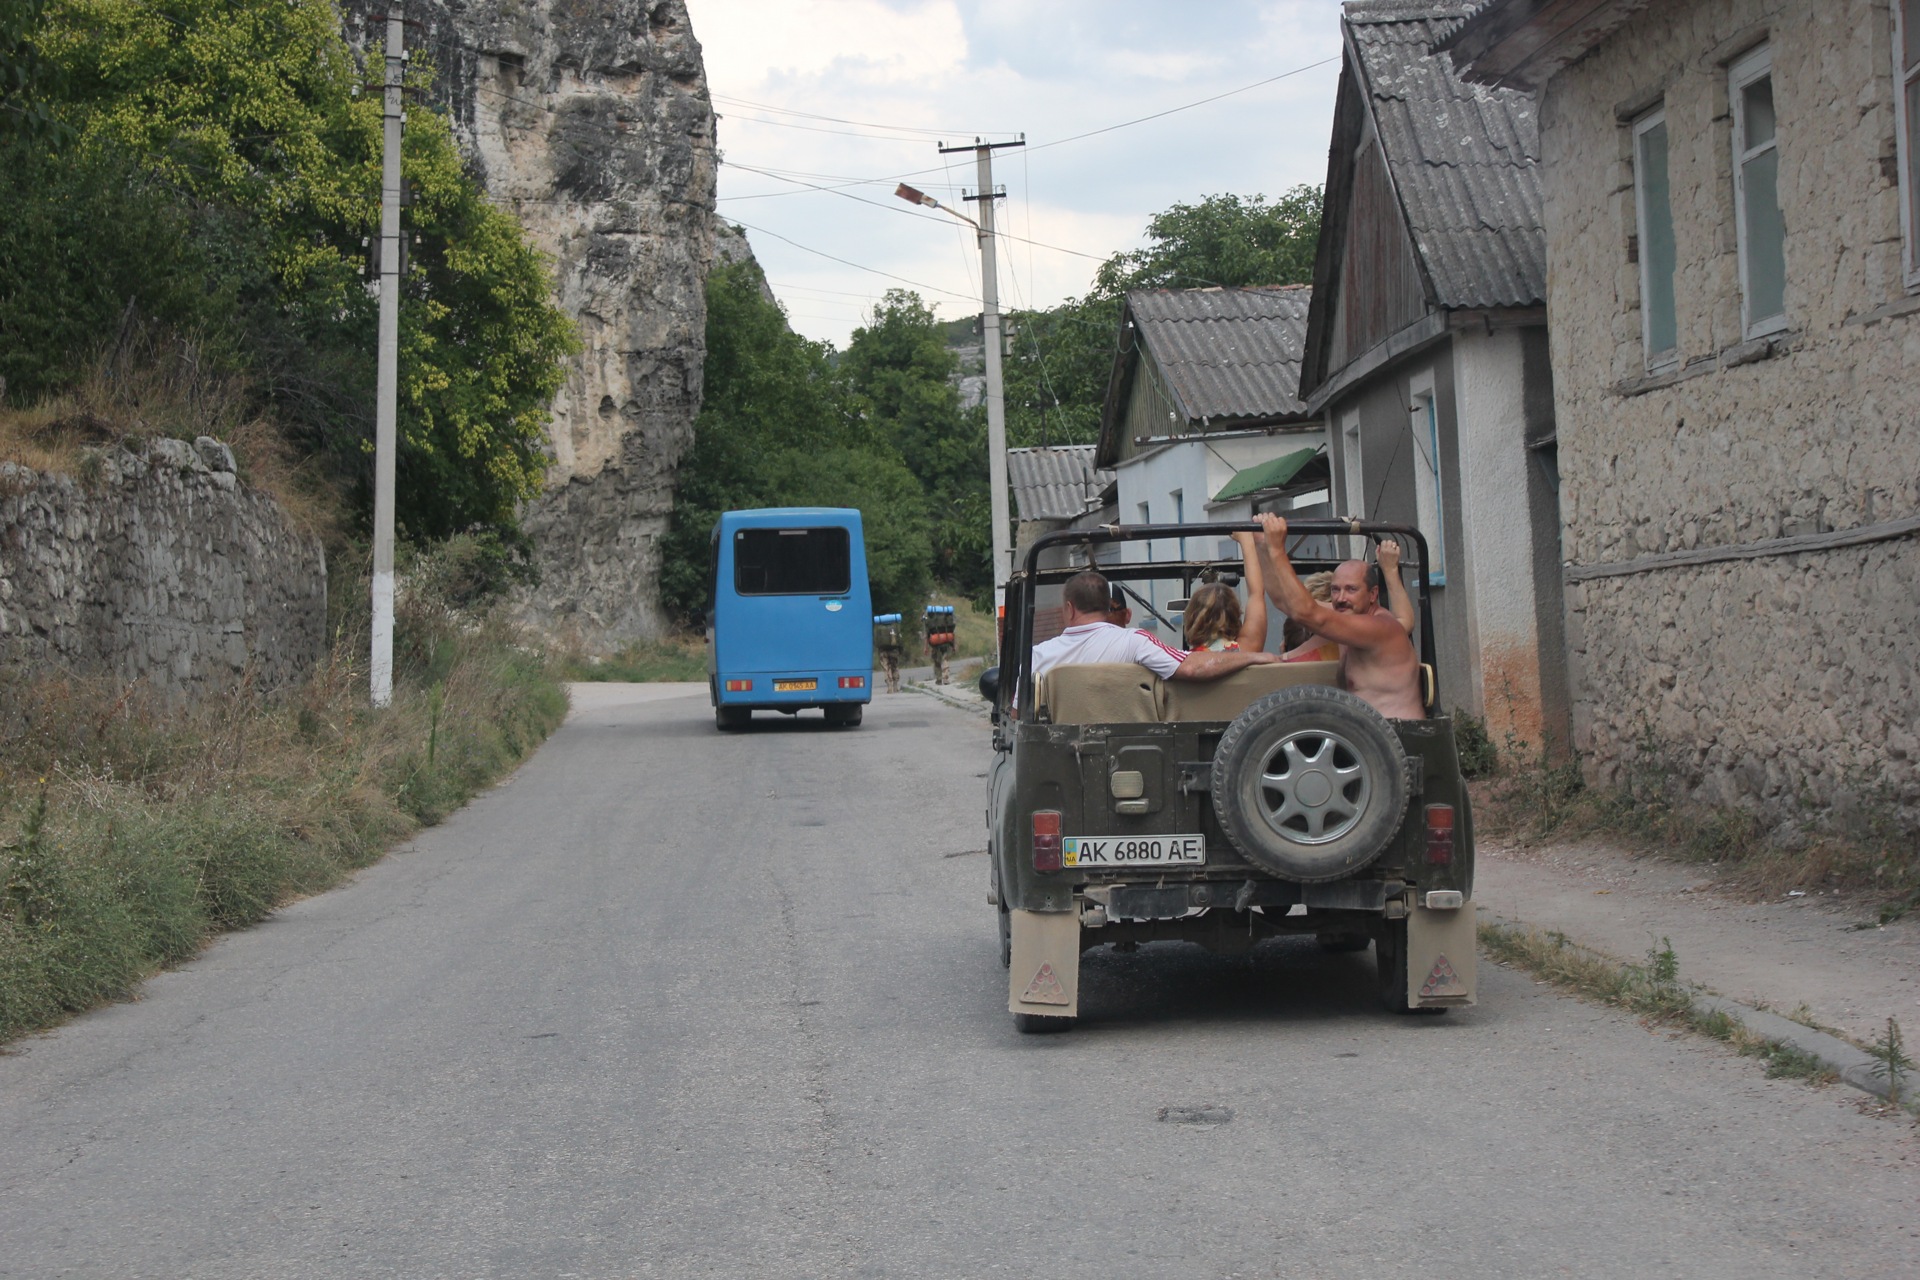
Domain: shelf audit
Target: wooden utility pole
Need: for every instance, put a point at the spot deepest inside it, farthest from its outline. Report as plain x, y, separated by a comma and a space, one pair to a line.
996, 394
393, 114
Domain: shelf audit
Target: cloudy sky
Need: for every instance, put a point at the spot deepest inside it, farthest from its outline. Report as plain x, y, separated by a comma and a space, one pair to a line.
856, 95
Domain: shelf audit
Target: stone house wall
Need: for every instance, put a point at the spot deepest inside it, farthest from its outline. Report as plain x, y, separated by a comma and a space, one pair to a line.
161, 568
1710, 615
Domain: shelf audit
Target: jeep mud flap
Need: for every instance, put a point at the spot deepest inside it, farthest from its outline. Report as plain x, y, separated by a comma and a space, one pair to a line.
1044, 977
1440, 957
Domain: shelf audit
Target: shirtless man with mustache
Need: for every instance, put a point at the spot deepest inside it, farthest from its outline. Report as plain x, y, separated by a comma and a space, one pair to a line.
1378, 664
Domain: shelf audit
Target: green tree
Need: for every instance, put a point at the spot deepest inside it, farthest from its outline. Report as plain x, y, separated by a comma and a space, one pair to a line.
779, 427
900, 371
1223, 240
231, 129
1062, 358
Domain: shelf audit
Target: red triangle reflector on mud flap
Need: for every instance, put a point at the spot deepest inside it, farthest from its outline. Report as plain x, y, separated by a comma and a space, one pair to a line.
1443, 981
1045, 988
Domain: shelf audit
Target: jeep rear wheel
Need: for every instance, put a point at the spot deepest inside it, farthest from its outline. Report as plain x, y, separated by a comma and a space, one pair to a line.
732, 717
1310, 783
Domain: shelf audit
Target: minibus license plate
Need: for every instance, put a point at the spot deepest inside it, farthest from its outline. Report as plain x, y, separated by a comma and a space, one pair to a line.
794, 686
1134, 851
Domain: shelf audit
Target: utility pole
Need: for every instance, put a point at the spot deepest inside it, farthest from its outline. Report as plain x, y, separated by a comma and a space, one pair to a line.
996, 394
385, 433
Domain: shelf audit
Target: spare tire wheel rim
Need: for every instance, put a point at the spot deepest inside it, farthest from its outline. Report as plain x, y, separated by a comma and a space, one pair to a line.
1314, 787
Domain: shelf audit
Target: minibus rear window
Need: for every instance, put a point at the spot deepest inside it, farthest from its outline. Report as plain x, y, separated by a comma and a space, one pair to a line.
791, 562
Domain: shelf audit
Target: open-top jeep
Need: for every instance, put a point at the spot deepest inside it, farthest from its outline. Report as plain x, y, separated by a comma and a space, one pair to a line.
1126, 809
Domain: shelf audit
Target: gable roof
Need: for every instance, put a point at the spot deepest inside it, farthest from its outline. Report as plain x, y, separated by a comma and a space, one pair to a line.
1054, 482
1227, 357
1465, 158
1524, 42
1463, 161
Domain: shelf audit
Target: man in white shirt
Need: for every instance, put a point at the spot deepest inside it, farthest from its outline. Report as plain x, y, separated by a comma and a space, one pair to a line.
1089, 637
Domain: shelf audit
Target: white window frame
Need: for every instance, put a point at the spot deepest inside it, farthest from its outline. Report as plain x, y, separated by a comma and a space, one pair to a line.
1755, 65
1429, 492
1668, 357
1904, 78
1352, 447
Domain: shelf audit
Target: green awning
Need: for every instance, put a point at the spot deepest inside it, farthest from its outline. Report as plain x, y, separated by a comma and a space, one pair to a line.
1265, 475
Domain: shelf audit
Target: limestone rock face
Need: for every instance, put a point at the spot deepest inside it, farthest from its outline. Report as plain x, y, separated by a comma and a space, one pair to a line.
589, 119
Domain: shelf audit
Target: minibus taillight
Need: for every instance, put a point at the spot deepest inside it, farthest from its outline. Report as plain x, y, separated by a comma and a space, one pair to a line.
1439, 835
1046, 840
853, 682
739, 686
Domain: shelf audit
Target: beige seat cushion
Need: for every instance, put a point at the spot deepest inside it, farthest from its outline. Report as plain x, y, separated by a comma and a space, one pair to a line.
1100, 693
1227, 697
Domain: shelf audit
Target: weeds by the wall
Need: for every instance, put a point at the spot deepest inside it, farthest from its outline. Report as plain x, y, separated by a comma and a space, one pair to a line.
132, 831
1652, 990
1871, 848
1479, 758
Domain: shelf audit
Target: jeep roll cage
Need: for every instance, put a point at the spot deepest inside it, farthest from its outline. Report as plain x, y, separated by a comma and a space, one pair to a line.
1018, 650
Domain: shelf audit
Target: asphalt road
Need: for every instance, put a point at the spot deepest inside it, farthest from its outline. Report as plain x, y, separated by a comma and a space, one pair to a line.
673, 1003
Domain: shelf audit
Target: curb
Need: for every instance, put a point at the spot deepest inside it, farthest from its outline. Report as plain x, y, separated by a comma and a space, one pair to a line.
1854, 1066
968, 701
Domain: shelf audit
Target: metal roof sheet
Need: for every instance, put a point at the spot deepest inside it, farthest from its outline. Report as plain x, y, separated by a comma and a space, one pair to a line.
1227, 354
1270, 474
1465, 158
1055, 482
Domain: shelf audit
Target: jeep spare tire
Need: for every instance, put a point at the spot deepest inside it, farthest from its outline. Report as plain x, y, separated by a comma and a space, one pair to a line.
1310, 783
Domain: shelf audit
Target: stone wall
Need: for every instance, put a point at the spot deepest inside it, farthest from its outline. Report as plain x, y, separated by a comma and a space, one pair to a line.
589, 120
1780, 679
160, 568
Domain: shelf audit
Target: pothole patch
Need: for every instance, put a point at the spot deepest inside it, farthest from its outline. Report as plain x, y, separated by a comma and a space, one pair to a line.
1204, 1115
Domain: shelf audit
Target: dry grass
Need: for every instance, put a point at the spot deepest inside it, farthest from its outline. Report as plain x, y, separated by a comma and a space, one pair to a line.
150, 388
134, 830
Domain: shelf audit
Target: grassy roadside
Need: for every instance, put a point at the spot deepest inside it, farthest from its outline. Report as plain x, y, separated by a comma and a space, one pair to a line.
669, 658
1652, 990
132, 832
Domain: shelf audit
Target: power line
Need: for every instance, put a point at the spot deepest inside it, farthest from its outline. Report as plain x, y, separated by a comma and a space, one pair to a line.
863, 124
1128, 124
855, 265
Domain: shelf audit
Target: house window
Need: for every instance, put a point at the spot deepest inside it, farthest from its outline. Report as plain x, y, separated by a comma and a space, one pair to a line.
1906, 71
1429, 506
1356, 493
1756, 195
1654, 213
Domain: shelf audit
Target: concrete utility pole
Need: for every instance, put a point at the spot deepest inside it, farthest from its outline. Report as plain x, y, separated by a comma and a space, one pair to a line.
393, 114
996, 394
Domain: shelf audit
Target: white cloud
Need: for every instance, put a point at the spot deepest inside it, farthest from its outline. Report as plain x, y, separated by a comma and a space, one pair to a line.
933, 70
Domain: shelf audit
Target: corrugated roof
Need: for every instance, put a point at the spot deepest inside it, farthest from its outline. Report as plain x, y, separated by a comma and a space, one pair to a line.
1464, 157
1055, 482
1226, 354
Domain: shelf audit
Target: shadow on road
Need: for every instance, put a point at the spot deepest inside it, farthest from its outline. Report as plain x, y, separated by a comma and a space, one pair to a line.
1284, 980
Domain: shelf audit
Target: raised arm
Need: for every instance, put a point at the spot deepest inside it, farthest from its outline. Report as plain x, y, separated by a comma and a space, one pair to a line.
1298, 603
1399, 603
1253, 625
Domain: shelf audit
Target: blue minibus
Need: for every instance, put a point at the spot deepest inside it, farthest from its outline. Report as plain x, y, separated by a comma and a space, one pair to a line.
792, 620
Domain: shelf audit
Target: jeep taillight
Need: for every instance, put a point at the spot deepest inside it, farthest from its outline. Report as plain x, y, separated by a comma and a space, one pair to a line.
739, 686
1439, 835
1046, 840
853, 682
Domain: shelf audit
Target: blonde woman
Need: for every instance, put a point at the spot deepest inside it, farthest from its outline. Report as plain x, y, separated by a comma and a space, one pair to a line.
1214, 618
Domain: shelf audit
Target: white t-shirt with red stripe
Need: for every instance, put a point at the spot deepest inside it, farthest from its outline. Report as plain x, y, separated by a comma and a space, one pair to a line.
1104, 642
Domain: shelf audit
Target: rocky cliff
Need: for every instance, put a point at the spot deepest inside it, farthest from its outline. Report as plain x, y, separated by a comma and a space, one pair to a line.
589, 119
